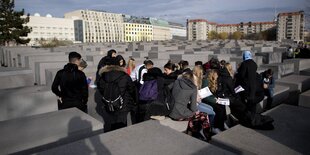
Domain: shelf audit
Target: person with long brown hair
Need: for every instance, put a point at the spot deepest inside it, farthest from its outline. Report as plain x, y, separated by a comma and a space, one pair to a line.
131, 65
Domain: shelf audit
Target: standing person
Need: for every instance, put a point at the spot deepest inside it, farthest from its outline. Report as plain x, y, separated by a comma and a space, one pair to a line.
118, 94
131, 65
268, 85
121, 60
111, 53
73, 86
137, 74
247, 78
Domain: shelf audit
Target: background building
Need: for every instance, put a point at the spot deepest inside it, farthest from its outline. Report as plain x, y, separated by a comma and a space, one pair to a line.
178, 31
161, 29
291, 25
97, 26
48, 28
198, 29
137, 29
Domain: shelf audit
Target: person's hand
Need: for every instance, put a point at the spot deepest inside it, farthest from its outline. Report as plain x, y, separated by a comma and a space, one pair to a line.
265, 86
60, 100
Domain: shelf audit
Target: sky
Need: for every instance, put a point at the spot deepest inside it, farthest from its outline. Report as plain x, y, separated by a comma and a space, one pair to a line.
220, 11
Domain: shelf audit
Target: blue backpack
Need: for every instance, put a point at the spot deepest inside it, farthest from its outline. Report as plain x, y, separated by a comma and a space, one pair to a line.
148, 91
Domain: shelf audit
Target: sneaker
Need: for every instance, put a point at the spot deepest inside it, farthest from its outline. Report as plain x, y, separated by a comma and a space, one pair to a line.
160, 118
226, 126
216, 130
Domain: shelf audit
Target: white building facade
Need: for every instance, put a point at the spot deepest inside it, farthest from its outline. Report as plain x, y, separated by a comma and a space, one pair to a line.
97, 26
48, 28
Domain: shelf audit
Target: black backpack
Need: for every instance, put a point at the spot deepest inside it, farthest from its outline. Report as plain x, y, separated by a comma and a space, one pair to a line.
111, 95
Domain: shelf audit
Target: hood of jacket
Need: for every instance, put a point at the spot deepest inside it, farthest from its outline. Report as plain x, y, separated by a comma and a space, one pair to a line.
185, 84
112, 73
70, 67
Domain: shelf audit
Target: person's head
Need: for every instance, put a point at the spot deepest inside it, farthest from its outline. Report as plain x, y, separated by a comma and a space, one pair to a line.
214, 63
212, 80
112, 61
121, 60
83, 65
184, 64
188, 75
222, 63
148, 64
198, 72
229, 69
269, 73
131, 63
247, 55
198, 63
111, 53
75, 58
155, 72
169, 68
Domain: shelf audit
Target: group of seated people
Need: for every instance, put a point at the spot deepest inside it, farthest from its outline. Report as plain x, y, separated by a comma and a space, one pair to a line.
147, 92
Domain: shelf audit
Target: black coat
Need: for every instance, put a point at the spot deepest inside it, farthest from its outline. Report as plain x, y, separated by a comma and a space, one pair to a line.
126, 86
73, 87
246, 77
226, 84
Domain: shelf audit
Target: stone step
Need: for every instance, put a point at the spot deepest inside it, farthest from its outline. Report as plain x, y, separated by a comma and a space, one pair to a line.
304, 99
290, 136
298, 83
144, 138
40, 132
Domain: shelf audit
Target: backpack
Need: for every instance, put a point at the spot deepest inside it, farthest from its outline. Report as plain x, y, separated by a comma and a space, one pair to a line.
148, 91
199, 126
111, 95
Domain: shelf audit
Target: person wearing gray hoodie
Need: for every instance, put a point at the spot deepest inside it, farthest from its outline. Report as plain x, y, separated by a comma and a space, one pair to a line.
184, 97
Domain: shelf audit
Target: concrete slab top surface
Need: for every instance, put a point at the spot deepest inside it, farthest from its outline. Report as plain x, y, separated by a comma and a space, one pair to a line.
26, 133
145, 138
293, 79
290, 136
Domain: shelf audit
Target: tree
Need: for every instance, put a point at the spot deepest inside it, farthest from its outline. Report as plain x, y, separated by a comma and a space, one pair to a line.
223, 35
12, 27
213, 35
237, 35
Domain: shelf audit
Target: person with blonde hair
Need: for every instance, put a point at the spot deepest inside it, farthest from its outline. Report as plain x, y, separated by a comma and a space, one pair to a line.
198, 80
131, 65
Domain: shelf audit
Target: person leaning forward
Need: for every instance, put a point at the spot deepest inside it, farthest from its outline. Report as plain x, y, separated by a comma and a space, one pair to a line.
70, 85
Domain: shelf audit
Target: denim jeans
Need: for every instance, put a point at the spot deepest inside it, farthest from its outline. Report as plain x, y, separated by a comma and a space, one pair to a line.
202, 107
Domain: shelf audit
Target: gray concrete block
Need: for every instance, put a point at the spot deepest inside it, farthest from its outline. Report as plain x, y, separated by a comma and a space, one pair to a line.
290, 136
176, 125
145, 138
26, 101
305, 72
40, 132
280, 69
304, 99
270, 57
298, 83
12, 77
281, 93
299, 64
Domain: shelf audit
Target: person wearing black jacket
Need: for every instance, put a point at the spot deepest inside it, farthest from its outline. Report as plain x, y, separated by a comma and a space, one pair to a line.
73, 86
105, 61
246, 77
113, 73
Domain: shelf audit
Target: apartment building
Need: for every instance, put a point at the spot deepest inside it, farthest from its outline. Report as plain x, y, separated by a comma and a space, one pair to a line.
97, 26
198, 29
291, 25
48, 28
137, 29
161, 29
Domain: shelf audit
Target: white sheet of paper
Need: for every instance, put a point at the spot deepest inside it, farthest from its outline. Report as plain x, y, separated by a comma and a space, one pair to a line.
238, 89
223, 101
204, 92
